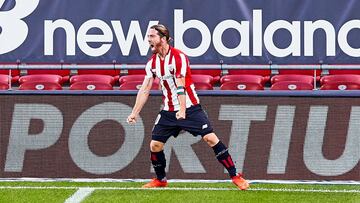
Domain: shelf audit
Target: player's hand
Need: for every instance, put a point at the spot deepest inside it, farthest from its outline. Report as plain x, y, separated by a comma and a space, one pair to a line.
180, 115
131, 119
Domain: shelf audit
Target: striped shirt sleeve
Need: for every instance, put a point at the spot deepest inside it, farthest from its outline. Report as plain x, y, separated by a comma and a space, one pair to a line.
148, 68
181, 65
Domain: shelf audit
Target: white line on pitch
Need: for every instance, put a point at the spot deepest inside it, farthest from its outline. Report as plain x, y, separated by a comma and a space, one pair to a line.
184, 189
105, 180
80, 195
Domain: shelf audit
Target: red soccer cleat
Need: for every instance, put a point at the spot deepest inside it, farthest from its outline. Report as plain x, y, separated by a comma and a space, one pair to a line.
155, 183
240, 182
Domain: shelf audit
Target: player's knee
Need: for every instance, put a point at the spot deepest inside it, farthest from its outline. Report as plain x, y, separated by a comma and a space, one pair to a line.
156, 146
211, 139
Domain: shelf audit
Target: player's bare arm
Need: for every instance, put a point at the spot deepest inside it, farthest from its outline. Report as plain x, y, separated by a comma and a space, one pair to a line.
141, 99
180, 82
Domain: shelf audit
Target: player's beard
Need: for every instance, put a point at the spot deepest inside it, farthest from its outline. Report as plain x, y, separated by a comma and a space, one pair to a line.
155, 48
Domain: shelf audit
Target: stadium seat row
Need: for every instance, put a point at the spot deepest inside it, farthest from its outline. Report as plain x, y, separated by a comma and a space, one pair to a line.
203, 79
134, 85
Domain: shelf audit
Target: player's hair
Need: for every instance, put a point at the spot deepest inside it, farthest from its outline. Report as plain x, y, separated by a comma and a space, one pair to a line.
162, 31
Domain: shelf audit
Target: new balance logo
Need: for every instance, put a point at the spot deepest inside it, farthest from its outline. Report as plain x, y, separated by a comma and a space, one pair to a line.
14, 30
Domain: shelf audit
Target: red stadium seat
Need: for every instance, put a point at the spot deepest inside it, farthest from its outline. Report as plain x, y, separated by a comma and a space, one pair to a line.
243, 78
41, 78
65, 74
292, 85
110, 72
91, 85
342, 72
340, 86
4, 79
241, 86
203, 86
203, 79
137, 72
93, 78
216, 74
136, 85
4, 86
40, 86
262, 72
127, 78
15, 74
340, 78
212, 72
139, 78
292, 77
300, 72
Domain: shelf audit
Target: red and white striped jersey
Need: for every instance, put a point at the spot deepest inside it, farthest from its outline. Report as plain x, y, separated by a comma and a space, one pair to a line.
174, 65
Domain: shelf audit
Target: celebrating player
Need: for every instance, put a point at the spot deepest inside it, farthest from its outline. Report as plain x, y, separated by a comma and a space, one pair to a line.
182, 109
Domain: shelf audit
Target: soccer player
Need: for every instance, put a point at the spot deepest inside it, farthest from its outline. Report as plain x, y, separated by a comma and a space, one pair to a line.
182, 110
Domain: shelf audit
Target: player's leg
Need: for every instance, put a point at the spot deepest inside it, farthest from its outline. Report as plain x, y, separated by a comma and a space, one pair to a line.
158, 162
223, 156
158, 158
197, 123
162, 131
221, 153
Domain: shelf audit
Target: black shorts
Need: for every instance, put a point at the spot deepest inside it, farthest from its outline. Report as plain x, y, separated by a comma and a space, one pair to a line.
166, 124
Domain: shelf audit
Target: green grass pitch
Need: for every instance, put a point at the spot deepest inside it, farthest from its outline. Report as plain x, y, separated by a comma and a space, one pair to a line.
53, 192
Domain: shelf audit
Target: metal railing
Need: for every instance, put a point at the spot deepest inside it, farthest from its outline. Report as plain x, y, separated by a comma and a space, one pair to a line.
193, 66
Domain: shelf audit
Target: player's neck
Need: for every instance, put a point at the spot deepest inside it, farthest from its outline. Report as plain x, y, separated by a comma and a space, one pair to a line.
164, 50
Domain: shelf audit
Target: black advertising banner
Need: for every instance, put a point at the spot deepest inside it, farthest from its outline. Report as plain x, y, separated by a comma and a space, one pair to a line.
86, 136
